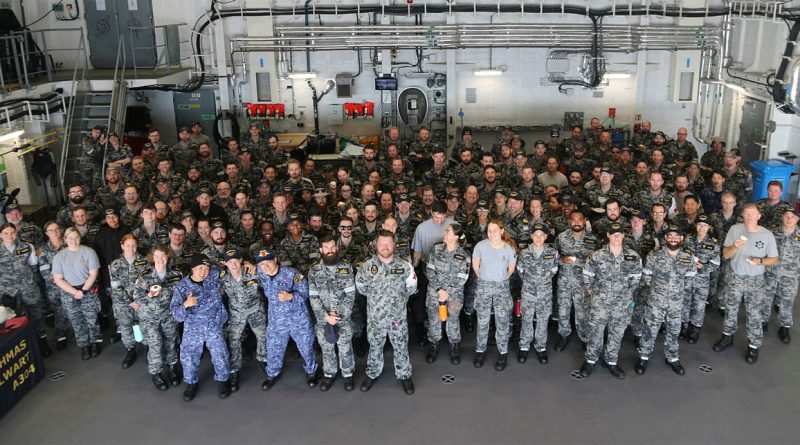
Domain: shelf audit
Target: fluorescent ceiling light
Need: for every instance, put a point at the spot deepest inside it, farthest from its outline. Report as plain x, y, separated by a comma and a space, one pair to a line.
487, 72
11, 135
310, 75
617, 76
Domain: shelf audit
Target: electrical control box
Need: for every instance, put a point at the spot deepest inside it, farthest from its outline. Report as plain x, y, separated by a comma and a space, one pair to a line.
685, 76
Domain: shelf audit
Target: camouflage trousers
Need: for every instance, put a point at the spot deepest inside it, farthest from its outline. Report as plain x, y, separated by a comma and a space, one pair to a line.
695, 300
614, 313
751, 290
723, 278
194, 338
31, 301
397, 331
452, 325
162, 343
570, 294
782, 290
670, 315
279, 330
82, 315
537, 303
640, 305
493, 296
358, 317
125, 317
61, 320
234, 331
469, 294
345, 360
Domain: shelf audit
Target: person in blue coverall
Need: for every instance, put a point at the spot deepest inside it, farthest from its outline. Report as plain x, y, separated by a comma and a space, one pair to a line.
196, 301
286, 290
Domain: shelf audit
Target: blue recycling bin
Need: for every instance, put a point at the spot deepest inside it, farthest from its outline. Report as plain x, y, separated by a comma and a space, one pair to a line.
770, 170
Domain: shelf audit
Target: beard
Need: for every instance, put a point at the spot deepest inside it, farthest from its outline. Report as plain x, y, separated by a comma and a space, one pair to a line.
673, 245
77, 199
329, 259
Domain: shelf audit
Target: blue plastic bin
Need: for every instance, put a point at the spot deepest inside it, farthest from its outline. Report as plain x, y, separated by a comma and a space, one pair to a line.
770, 170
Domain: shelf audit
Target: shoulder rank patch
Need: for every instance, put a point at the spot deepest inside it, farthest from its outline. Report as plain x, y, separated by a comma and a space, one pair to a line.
251, 282
222, 273
374, 269
298, 278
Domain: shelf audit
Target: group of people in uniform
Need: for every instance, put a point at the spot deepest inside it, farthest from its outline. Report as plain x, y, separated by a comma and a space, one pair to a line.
240, 252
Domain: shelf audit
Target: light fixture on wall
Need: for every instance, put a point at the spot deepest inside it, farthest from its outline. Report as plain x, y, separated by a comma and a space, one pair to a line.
303, 75
11, 135
486, 72
607, 76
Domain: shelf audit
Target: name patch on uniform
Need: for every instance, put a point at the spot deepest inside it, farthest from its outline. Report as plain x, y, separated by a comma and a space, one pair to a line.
139, 263
665, 200
684, 260
343, 271
398, 271
401, 244
458, 256
548, 257
23, 250
589, 241
630, 257
250, 282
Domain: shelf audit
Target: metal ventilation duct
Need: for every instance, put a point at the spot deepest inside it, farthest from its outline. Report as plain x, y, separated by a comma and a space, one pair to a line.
793, 86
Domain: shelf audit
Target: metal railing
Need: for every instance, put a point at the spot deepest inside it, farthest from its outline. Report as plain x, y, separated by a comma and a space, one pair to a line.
118, 101
78, 78
167, 47
31, 59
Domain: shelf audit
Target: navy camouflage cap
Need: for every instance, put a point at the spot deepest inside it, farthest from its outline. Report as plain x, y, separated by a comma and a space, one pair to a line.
540, 227
615, 228
265, 255
232, 254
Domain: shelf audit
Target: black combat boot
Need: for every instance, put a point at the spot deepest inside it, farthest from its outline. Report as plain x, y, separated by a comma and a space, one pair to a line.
86, 354
724, 343
223, 389
433, 351
234, 381
502, 361
752, 355
783, 335
174, 375
94, 349
348, 384
191, 391
455, 353
480, 357
44, 348
130, 357
159, 382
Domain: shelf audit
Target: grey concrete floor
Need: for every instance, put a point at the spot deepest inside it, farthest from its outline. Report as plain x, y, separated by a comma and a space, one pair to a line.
99, 403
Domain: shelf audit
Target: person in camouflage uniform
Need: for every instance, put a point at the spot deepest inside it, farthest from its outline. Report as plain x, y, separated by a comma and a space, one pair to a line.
783, 279
773, 207
111, 196
18, 262
750, 248
197, 303
574, 247
47, 252
288, 315
609, 275
447, 270
667, 272
90, 164
152, 296
183, 153
421, 150
300, 249
76, 194
739, 179
387, 281
642, 242
123, 273
537, 266
149, 232
494, 261
331, 290
245, 308
707, 250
